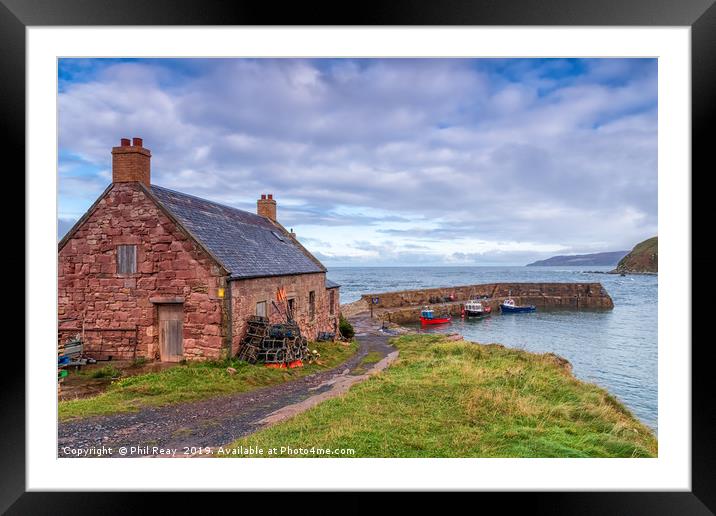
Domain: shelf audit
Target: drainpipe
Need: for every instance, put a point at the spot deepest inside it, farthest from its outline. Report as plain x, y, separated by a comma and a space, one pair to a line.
229, 327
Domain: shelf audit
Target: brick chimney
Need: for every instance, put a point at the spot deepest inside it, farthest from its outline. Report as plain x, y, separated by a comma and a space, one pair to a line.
266, 206
130, 162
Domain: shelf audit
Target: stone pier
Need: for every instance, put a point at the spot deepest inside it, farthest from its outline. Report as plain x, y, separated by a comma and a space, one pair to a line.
405, 305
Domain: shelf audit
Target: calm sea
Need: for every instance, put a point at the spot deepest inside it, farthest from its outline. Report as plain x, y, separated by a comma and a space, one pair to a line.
615, 349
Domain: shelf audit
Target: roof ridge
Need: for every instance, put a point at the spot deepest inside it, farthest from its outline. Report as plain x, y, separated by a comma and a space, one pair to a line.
202, 199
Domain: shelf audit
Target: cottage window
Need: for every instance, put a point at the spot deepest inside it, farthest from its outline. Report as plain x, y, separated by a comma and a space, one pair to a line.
332, 301
312, 304
126, 259
261, 308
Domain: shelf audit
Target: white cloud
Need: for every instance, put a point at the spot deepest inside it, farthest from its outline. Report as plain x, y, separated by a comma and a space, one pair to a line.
538, 156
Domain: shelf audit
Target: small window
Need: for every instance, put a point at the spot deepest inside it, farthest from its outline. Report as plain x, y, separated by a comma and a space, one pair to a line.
261, 308
311, 304
332, 301
126, 259
277, 235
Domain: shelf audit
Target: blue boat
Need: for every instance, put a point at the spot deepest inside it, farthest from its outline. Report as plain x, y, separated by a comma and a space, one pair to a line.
508, 306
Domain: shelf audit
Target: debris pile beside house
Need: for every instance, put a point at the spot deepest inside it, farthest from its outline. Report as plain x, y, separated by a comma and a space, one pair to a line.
70, 353
62, 361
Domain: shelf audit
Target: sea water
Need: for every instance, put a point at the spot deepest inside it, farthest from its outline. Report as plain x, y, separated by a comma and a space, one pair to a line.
616, 349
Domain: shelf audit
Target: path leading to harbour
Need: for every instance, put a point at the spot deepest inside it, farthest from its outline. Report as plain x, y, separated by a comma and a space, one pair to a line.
221, 420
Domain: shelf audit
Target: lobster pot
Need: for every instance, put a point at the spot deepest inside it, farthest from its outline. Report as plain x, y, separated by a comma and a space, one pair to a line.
272, 356
272, 344
256, 331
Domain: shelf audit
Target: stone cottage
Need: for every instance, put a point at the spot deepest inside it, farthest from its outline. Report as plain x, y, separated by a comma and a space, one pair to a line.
151, 272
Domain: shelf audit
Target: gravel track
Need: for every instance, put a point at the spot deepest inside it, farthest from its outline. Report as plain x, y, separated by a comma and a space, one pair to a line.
208, 423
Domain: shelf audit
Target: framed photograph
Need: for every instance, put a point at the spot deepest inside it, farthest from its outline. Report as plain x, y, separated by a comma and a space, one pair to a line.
424, 246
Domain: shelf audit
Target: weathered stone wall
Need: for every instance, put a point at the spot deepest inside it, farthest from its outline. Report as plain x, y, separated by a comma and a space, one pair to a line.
247, 293
557, 295
169, 265
105, 343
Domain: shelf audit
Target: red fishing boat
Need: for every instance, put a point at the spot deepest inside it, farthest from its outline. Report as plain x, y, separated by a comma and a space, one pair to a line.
428, 317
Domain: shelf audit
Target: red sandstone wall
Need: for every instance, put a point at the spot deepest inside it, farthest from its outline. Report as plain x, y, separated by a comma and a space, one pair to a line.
246, 293
169, 264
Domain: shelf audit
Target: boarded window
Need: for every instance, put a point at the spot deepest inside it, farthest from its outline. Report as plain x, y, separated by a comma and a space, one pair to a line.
126, 259
311, 304
332, 301
261, 308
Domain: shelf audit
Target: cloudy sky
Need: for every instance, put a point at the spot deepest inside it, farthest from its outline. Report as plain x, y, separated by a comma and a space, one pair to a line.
384, 161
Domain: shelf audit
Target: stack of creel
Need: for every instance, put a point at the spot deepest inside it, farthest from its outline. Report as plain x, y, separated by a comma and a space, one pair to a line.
256, 331
277, 345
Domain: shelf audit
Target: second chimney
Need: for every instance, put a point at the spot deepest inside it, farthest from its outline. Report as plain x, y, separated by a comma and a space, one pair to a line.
266, 207
131, 162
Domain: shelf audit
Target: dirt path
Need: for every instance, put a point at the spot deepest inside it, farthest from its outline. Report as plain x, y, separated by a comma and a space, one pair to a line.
216, 421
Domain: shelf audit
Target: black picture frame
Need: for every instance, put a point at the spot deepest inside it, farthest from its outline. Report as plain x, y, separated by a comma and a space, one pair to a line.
700, 15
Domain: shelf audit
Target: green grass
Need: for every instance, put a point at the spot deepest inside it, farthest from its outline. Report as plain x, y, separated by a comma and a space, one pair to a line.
456, 399
372, 357
106, 372
193, 381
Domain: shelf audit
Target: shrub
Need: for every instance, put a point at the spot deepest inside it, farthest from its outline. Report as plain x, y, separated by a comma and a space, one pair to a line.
346, 328
139, 361
106, 372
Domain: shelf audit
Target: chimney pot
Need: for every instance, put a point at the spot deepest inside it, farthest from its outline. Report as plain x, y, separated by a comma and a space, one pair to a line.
124, 142
270, 196
263, 196
137, 142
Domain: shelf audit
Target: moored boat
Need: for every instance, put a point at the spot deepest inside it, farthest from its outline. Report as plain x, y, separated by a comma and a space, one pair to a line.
475, 308
427, 316
509, 306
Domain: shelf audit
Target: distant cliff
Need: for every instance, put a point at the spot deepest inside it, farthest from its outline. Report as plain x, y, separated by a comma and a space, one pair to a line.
609, 258
643, 258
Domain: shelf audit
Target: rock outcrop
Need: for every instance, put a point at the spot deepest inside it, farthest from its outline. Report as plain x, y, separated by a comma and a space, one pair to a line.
643, 259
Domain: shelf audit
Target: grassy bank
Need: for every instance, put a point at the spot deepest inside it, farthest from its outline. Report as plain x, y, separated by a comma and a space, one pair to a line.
456, 399
194, 381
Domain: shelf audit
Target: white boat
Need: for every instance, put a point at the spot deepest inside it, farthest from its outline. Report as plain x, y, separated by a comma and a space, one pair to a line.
475, 308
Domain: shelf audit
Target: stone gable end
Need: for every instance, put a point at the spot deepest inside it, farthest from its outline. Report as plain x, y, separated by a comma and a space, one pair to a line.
169, 266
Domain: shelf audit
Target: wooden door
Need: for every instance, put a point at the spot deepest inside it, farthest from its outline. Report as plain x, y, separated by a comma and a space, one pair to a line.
171, 332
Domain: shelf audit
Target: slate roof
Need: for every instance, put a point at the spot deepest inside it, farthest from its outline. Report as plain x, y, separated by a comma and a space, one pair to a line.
331, 284
246, 244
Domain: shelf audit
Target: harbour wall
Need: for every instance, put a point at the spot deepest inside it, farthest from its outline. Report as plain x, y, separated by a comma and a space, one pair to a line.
405, 306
